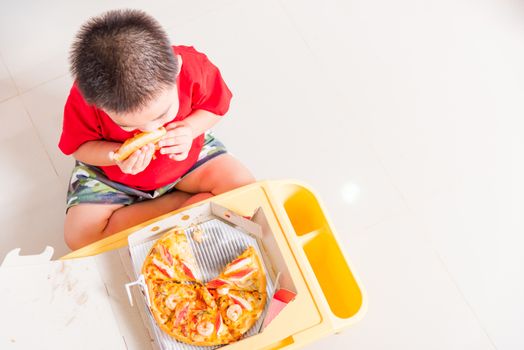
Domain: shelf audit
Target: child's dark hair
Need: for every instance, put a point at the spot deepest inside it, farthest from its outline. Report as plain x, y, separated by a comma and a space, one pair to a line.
121, 60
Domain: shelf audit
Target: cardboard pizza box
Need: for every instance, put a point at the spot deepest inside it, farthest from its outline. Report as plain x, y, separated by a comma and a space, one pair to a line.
83, 302
223, 235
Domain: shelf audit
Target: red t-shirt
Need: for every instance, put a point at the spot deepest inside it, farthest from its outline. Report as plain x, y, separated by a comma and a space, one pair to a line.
200, 86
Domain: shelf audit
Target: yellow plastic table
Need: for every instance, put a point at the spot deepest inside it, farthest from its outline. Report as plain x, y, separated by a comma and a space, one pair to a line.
330, 296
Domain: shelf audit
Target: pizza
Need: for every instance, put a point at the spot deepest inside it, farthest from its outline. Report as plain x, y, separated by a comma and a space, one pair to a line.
190, 314
170, 259
240, 310
203, 314
243, 273
168, 296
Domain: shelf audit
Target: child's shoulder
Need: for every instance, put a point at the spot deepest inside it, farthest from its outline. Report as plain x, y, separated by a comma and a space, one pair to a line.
195, 64
76, 98
191, 57
189, 52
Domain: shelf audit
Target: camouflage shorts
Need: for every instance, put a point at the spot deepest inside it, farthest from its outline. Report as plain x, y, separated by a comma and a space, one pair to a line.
89, 184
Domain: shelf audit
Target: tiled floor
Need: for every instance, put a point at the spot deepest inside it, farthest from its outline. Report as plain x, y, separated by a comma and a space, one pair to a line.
406, 117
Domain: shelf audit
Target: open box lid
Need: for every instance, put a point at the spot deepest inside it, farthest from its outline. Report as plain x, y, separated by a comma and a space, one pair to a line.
55, 304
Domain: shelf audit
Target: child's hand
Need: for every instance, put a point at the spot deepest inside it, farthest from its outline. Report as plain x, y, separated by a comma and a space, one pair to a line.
179, 139
137, 161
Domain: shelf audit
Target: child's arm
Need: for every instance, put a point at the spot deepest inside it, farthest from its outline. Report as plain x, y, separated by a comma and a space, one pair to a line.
96, 152
179, 138
201, 120
180, 134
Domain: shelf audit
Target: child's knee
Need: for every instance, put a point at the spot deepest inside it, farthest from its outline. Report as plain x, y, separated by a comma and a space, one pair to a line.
72, 236
85, 223
72, 241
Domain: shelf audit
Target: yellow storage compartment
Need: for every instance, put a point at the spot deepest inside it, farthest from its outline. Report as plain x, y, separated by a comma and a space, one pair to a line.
333, 274
329, 294
314, 241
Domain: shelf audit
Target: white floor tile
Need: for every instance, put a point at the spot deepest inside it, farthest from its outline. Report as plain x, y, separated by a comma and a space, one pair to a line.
413, 303
285, 121
35, 221
477, 229
370, 53
45, 105
25, 164
29, 186
7, 86
409, 86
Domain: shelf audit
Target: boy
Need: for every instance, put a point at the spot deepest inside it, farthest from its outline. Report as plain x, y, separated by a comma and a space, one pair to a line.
128, 79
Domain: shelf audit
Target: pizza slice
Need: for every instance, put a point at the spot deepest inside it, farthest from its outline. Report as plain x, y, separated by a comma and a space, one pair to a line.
243, 273
173, 305
195, 320
168, 298
170, 259
206, 327
240, 310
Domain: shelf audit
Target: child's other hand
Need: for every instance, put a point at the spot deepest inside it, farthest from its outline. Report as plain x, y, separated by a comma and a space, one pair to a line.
137, 161
178, 140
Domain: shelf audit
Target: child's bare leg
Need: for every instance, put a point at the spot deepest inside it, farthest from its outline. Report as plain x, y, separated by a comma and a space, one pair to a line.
87, 223
219, 175
138, 213
198, 198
